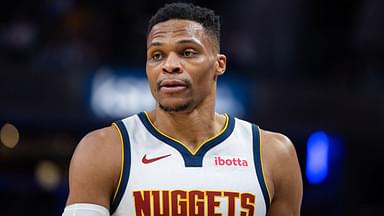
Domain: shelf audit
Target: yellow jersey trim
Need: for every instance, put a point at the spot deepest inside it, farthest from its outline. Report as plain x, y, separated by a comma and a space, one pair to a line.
185, 146
262, 165
122, 160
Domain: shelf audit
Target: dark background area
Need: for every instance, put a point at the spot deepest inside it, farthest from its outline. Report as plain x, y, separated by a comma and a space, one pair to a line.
314, 64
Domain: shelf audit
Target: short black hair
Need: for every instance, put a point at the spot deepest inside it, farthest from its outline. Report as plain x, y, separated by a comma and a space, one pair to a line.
206, 17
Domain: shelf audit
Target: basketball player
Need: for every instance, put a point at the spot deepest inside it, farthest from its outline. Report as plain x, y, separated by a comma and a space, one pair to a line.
183, 158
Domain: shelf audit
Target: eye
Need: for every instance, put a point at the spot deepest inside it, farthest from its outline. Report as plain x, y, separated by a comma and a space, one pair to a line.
189, 53
156, 56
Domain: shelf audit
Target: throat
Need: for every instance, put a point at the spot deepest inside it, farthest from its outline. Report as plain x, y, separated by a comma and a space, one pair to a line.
190, 133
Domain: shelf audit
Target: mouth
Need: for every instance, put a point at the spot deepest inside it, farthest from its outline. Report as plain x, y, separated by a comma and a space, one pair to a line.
171, 86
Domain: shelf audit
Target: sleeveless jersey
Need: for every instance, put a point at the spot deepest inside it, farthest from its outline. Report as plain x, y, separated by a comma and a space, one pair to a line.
160, 176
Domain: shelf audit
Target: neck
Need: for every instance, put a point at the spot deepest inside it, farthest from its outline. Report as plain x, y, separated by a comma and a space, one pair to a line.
191, 128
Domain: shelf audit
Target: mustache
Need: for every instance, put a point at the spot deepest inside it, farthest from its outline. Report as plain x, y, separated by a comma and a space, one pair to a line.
177, 81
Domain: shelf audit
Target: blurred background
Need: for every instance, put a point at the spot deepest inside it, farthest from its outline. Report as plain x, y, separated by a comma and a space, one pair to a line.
313, 70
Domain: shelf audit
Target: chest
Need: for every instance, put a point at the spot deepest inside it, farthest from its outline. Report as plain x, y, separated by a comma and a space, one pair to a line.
164, 178
161, 177
229, 164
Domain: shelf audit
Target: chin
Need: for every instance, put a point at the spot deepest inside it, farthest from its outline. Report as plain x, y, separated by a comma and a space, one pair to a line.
175, 107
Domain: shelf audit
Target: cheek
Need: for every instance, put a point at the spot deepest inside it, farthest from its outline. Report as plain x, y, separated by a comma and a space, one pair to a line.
151, 80
207, 74
205, 82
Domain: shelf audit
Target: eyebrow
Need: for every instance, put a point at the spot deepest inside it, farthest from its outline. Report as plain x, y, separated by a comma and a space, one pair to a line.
184, 41
188, 41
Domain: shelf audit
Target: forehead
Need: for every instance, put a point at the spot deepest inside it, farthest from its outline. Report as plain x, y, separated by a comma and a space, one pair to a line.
174, 29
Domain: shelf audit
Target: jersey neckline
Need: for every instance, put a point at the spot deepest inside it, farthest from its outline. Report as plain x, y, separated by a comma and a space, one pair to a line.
191, 159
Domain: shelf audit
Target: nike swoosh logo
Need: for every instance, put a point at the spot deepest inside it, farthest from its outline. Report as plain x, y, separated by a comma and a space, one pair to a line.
145, 160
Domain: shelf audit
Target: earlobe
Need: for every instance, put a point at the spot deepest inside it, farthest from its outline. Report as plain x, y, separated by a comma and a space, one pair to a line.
221, 64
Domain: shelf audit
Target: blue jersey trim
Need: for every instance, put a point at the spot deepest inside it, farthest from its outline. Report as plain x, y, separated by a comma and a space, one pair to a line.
190, 160
258, 164
126, 166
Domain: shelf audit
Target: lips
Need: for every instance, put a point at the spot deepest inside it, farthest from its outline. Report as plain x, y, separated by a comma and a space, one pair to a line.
170, 86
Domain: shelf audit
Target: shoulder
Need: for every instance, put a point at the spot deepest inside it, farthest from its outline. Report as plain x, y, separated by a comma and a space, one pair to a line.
279, 153
103, 139
282, 171
95, 167
97, 144
277, 143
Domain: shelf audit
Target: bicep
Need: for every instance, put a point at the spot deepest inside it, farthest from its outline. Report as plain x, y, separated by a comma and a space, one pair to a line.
92, 173
288, 185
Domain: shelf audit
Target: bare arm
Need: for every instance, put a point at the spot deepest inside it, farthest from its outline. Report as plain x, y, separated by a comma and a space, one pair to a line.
95, 168
284, 175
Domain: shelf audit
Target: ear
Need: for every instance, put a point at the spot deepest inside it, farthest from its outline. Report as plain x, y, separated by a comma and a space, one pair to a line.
221, 64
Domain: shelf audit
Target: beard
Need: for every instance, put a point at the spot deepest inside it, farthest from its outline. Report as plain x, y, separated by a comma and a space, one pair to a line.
177, 108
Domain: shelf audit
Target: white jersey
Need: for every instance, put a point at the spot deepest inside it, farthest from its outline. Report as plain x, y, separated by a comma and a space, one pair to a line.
160, 176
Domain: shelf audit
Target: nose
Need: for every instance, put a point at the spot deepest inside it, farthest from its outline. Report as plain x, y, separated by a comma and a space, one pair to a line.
172, 64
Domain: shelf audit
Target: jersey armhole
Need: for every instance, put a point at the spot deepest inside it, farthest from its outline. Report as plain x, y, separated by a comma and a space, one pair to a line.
125, 165
258, 160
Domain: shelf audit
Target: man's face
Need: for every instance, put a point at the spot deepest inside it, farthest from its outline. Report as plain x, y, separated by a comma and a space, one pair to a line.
182, 65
